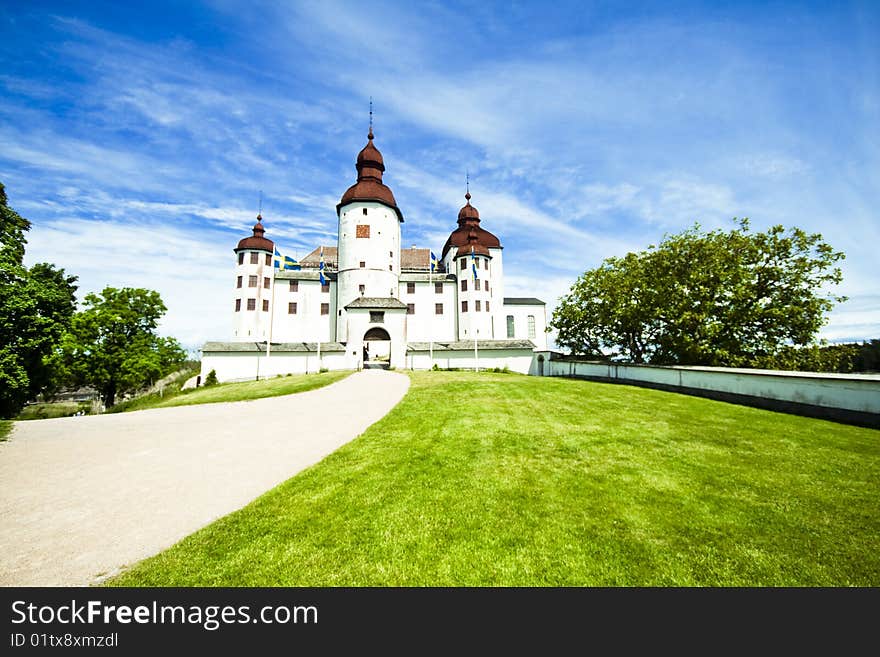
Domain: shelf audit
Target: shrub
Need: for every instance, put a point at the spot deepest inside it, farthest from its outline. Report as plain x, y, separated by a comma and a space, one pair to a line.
211, 379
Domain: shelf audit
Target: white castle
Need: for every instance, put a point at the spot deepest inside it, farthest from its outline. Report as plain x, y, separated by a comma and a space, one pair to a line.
368, 302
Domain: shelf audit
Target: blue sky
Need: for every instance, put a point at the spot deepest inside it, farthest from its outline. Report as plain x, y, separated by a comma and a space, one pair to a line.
137, 136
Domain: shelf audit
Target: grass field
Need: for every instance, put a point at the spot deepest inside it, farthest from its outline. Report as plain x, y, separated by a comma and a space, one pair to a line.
226, 392
494, 479
5, 428
43, 411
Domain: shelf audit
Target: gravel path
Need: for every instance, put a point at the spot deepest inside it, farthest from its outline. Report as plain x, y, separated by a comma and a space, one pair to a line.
81, 497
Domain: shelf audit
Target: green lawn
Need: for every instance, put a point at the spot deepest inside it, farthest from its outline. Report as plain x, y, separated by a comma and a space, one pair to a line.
494, 479
225, 392
5, 428
43, 411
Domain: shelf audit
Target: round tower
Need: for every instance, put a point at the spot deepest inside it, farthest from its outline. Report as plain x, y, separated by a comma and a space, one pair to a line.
254, 277
369, 237
474, 255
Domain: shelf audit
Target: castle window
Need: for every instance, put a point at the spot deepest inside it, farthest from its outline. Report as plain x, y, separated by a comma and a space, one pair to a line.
438, 288
265, 305
363, 263
362, 288
486, 285
325, 308
268, 259
462, 264
531, 326
390, 253
410, 288
252, 281
377, 317
510, 326
477, 306
365, 212
241, 258
464, 306
410, 309
238, 282
487, 306
438, 308
255, 258
237, 305
464, 285
362, 230
294, 286
252, 304
266, 282
325, 287
390, 267
291, 308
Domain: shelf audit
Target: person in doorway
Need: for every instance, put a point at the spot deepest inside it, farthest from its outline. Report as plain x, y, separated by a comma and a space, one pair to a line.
366, 352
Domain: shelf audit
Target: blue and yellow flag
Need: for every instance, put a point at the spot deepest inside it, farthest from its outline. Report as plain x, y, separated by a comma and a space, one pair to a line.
474, 264
285, 262
321, 268
435, 263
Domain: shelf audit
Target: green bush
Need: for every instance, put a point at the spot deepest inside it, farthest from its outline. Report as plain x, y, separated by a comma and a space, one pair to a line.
211, 379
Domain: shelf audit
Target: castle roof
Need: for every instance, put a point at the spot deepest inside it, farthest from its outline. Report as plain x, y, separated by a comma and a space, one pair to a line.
470, 236
256, 242
369, 186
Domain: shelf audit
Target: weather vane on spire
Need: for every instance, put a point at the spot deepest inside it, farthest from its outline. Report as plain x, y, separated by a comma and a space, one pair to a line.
260, 211
467, 184
371, 117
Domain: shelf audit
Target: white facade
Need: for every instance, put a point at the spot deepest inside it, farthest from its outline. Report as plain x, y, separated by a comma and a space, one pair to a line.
375, 293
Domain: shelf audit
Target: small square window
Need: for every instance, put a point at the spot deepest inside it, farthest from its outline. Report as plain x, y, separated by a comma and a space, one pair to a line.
325, 287
265, 305
391, 254
486, 285
252, 281
237, 305
241, 258
464, 285
438, 308
291, 308
438, 288
390, 267
252, 304
255, 258
477, 306
294, 286
365, 212
266, 282
410, 288
362, 288
377, 316
268, 259
363, 263
410, 309
325, 308
464, 306
462, 264
238, 282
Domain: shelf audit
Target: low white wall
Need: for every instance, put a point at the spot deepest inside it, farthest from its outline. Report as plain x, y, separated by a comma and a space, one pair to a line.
517, 360
231, 366
852, 392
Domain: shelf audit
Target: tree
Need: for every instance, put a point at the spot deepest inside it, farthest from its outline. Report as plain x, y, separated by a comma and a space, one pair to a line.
720, 298
36, 306
113, 345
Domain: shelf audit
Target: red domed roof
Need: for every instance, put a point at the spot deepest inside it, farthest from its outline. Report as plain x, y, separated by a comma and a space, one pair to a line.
369, 185
470, 234
257, 242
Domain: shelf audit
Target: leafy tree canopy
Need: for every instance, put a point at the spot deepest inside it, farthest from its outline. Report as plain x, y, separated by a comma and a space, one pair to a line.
721, 298
36, 305
113, 346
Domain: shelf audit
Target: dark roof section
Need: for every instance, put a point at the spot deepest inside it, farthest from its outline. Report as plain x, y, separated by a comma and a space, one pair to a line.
260, 347
313, 260
414, 258
469, 235
523, 301
369, 185
378, 303
257, 242
468, 345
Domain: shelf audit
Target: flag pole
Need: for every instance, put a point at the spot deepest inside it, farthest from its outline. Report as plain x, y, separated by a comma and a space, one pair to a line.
271, 313
431, 323
474, 308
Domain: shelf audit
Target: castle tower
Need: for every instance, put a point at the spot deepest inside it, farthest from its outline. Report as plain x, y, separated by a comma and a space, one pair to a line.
254, 278
369, 239
480, 299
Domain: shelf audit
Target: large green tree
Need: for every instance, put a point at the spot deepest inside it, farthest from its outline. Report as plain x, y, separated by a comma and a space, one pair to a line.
36, 306
722, 298
113, 346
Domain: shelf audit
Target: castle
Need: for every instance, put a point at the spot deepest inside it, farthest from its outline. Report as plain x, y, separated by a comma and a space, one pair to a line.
370, 302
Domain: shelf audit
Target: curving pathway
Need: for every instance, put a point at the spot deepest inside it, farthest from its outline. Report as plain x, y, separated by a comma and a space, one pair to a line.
81, 497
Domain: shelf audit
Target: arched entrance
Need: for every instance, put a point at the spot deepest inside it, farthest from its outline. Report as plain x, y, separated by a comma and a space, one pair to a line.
377, 348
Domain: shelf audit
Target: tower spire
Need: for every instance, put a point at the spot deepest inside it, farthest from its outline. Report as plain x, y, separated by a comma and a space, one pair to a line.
260, 211
370, 135
467, 185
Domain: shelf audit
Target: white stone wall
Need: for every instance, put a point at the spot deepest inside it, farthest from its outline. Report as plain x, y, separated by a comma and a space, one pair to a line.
521, 314
498, 314
425, 324
517, 360
474, 322
251, 325
249, 366
851, 392
308, 324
